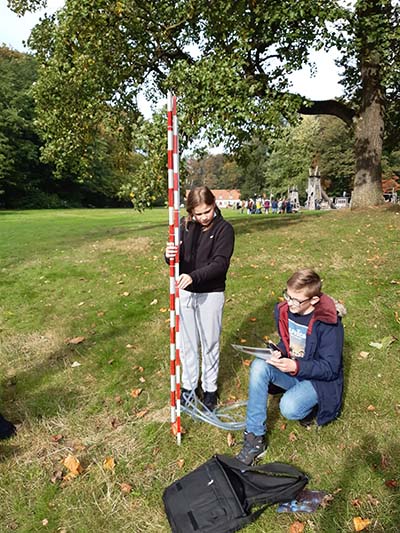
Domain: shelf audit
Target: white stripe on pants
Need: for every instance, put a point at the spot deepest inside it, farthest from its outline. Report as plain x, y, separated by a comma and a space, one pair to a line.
200, 324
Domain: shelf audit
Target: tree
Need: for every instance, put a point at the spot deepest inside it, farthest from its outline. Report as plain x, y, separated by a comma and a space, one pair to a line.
229, 62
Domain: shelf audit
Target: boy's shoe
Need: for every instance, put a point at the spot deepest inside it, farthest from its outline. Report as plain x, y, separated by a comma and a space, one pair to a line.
210, 400
308, 420
7, 429
254, 446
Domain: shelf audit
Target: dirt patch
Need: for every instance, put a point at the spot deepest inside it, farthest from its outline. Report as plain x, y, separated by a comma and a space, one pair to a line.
22, 351
133, 245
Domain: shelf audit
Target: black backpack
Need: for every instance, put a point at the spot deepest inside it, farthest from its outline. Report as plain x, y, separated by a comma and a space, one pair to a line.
218, 496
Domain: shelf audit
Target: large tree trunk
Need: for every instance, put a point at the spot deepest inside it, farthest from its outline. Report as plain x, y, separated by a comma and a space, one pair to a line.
368, 132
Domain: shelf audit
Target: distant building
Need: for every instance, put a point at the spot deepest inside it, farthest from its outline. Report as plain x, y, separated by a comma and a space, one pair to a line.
225, 197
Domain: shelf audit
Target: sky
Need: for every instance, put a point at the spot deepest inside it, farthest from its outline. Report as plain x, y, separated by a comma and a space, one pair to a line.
14, 30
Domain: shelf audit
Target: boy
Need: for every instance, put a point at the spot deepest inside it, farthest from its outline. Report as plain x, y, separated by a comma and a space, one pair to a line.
308, 365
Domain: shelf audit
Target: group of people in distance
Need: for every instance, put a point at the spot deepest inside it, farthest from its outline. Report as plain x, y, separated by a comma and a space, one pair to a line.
260, 205
307, 365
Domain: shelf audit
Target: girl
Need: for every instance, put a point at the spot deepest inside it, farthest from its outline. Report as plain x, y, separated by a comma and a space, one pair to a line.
205, 250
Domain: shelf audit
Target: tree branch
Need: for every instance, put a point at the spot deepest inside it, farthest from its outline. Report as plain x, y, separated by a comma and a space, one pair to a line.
328, 107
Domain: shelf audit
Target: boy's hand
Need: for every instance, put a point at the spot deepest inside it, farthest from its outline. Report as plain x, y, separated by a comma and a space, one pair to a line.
284, 364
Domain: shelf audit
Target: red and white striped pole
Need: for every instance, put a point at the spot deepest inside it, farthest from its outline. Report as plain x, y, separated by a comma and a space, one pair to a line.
173, 216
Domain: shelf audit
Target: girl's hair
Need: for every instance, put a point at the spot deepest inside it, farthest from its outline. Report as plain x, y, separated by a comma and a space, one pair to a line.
306, 280
197, 196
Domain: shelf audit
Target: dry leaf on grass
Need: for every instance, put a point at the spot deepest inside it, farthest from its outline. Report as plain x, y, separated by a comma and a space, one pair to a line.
126, 293
142, 413
246, 362
75, 340
142, 380
56, 438
292, 436
243, 341
364, 355
125, 488
163, 310
391, 483
154, 302
136, 392
75, 364
109, 463
296, 527
360, 523
371, 408
253, 319
72, 464
230, 440
356, 502
45, 522
282, 427
180, 463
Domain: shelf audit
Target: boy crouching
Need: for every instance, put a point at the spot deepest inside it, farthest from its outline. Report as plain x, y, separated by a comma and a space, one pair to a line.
308, 366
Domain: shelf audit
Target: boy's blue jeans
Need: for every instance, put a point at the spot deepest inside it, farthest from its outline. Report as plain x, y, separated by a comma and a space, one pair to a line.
296, 403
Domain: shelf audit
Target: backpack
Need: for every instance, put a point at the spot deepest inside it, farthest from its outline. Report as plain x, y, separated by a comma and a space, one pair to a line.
217, 497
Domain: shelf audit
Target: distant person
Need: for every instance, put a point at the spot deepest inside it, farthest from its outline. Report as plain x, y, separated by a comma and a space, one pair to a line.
308, 365
205, 250
266, 206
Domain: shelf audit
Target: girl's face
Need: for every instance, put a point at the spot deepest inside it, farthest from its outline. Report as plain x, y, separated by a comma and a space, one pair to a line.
204, 214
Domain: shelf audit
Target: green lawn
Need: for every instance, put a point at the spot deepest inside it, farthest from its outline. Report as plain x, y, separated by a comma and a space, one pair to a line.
99, 274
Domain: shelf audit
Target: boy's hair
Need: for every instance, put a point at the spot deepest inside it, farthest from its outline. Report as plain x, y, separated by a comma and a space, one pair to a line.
306, 280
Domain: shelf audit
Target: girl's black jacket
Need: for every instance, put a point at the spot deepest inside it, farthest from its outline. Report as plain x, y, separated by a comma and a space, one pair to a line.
205, 255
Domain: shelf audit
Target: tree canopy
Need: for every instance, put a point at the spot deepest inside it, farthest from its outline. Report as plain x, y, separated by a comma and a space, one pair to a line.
228, 61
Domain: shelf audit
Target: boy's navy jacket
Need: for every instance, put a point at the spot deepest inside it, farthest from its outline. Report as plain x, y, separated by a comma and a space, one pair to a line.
322, 362
205, 255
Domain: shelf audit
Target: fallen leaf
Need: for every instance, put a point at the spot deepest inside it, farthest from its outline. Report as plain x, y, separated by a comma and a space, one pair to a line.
115, 422
109, 463
125, 488
356, 502
80, 304
230, 440
136, 392
163, 310
292, 436
180, 463
243, 341
125, 293
142, 413
57, 476
266, 338
138, 368
154, 302
253, 319
56, 438
377, 345
142, 380
360, 523
246, 362
100, 313
72, 464
283, 427
118, 399
75, 364
45, 522
129, 346
391, 483
371, 408
327, 500
296, 527
111, 361
75, 340
373, 501
120, 282
364, 355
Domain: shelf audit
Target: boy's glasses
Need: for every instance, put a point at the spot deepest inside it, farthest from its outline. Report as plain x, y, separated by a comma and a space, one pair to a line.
293, 301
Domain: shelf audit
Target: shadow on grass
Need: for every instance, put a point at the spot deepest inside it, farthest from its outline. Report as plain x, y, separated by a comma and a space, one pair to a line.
382, 466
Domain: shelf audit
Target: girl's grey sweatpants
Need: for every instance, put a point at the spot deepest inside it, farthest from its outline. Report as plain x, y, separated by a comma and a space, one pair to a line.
200, 325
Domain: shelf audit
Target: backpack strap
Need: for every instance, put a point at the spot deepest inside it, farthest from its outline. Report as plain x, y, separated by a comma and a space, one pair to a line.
280, 469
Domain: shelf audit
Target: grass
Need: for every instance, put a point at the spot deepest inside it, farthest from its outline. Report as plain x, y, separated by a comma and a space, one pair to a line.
99, 274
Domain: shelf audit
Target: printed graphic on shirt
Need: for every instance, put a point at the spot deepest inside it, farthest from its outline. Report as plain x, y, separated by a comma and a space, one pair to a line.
297, 334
